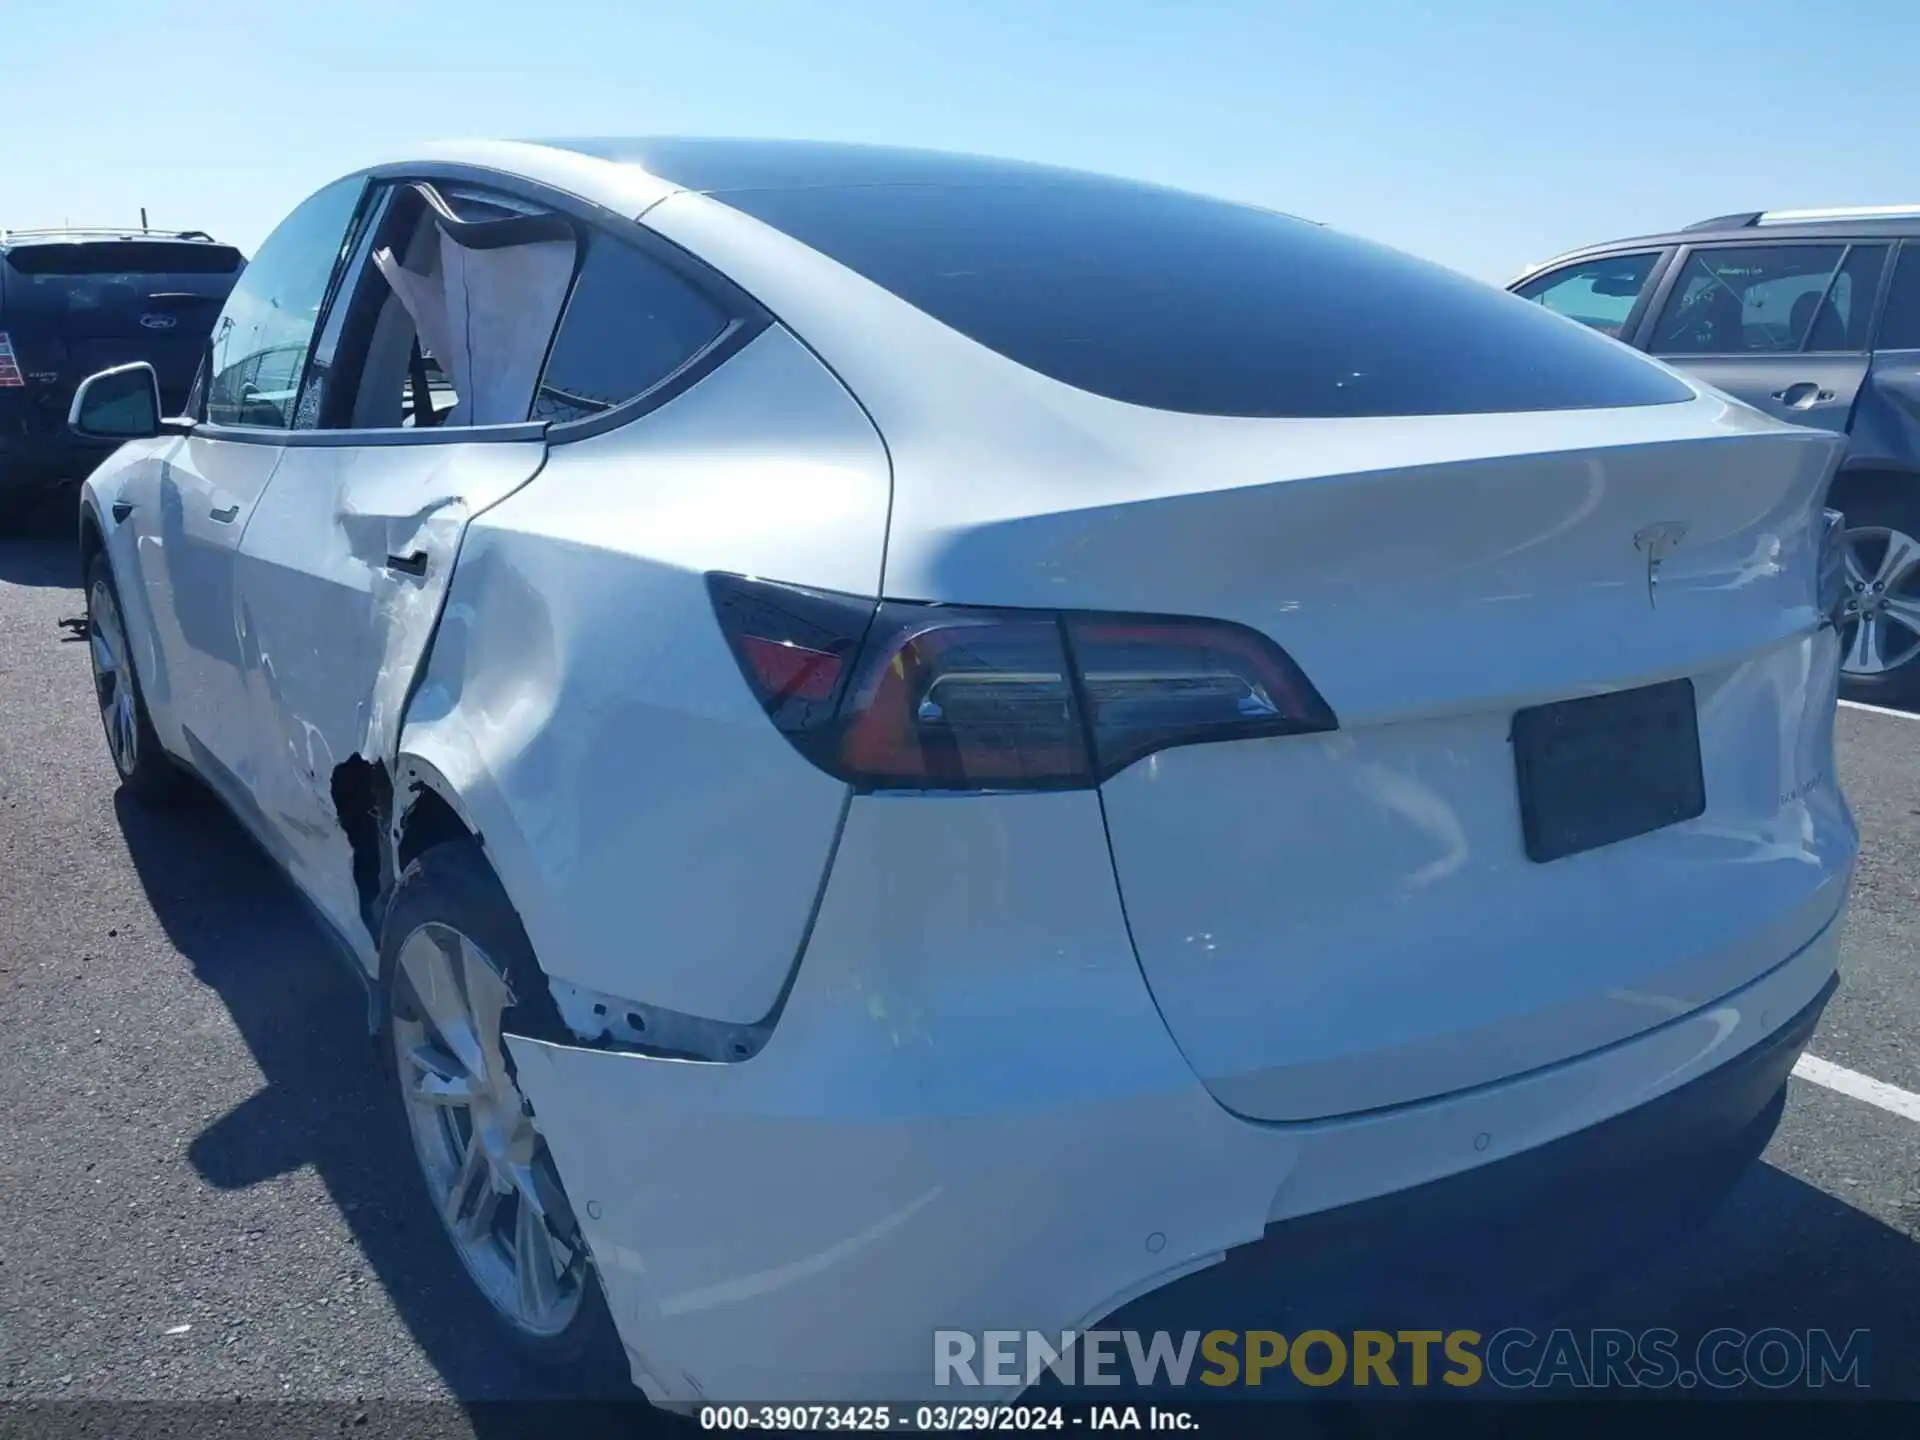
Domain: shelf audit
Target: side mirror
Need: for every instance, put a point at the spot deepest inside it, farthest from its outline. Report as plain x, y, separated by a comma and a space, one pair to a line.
118, 404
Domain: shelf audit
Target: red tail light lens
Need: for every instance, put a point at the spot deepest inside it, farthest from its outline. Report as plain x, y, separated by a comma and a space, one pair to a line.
899, 696
796, 647
961, 699
10, 376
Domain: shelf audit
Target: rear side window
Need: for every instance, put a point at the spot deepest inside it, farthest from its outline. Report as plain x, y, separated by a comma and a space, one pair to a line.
1771, 299
1900, 326
1600, 293
630, 325
1183, 303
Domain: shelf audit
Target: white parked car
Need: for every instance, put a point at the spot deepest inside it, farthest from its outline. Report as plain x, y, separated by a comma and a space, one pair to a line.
906, 742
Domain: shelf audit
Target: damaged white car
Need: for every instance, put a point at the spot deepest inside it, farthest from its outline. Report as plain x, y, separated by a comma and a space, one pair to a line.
908, 743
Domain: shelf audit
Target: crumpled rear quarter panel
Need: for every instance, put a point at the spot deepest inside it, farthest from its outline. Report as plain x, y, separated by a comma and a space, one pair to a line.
660, 839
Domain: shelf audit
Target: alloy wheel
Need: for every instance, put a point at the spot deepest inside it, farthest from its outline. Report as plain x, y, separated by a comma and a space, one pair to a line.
112, 677
1880, 628
487, 1170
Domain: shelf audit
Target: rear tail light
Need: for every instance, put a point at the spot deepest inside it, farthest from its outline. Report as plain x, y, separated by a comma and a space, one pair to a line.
897, 696
1154, 683
10, 376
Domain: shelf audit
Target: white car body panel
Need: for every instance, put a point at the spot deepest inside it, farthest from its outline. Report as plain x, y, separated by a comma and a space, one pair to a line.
585, 597
971, 1117
187, 527
1296, 972
332, 635
1273, 950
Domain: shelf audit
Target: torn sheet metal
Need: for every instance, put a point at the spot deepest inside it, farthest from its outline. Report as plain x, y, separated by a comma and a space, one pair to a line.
668, 1034
340, 581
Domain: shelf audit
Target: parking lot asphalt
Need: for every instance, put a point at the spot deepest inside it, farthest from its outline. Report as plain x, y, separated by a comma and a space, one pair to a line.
204, 1195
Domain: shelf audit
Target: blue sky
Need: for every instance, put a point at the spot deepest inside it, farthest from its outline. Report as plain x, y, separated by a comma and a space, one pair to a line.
1480, 135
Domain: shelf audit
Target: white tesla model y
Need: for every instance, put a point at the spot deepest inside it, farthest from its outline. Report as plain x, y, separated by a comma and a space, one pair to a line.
907, 742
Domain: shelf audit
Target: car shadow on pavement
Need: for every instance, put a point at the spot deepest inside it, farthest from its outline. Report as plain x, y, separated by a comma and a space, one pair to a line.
323, 1103
45, 556
1782, 1254
1779, 1256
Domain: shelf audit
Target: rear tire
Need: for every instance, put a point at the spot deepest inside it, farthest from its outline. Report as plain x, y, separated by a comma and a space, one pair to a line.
145, 770
458, 972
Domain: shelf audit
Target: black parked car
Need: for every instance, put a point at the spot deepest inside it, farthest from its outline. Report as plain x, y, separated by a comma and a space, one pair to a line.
75, 301
1814, 316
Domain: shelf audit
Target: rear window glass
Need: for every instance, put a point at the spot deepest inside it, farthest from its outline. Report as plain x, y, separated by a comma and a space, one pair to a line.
1179, 302
134, 257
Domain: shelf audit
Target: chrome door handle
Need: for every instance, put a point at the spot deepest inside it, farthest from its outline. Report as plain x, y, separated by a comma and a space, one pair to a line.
1803, 394
226, 516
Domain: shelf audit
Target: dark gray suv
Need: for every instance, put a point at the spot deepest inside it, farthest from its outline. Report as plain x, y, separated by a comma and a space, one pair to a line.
74, 301
1813, 316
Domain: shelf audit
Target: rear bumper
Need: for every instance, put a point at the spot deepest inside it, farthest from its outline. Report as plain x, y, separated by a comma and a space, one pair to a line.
971, 1117
1474, 1249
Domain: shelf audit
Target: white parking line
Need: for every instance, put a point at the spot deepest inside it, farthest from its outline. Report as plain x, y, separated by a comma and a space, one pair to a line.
1880, 710
1890, 1098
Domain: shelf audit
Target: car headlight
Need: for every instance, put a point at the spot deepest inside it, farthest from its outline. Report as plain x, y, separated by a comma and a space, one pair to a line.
1832, 596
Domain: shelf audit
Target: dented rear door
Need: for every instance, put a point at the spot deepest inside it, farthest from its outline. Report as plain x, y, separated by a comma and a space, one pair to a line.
341, 577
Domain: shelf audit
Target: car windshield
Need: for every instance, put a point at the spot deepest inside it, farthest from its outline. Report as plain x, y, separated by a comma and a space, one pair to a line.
1179, 302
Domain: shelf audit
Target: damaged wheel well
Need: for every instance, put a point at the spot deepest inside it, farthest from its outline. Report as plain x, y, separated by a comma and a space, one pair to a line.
386, 847
363, 804
385, 843
1857, 486
428, 820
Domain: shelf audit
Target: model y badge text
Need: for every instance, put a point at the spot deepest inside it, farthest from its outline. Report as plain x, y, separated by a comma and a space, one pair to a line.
1656, 542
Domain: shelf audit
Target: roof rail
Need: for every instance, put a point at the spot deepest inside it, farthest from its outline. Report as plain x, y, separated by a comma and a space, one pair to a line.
1735, 221
117, 232
1839, 212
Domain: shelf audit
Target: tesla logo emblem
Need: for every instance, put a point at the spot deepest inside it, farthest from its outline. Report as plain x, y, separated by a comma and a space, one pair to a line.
158, 322
1656, 542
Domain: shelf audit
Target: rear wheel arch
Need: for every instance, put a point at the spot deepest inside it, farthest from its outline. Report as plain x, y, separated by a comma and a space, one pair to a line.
429, 821
427, 808
1873, 482
424, 809
93, 538
457, 862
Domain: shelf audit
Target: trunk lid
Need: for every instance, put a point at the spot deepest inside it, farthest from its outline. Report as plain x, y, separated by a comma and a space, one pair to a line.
1343, 922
